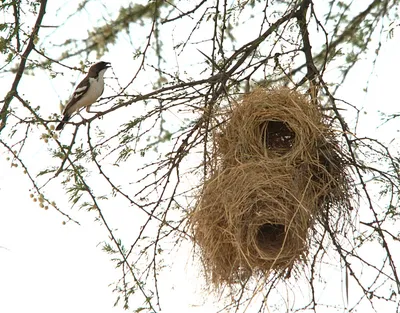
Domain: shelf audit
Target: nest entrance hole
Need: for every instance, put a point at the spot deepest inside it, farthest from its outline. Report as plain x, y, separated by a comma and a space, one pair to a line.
277, 136
270, 236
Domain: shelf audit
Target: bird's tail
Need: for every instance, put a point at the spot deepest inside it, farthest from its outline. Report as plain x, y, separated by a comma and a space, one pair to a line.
63, 121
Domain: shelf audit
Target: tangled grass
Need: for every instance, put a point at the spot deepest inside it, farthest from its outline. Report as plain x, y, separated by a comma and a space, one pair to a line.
277, 171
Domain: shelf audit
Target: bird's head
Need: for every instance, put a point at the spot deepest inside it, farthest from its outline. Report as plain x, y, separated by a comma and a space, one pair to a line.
98, 67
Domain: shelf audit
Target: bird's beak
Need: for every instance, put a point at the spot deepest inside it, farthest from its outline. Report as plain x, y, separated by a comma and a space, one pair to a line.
108, 65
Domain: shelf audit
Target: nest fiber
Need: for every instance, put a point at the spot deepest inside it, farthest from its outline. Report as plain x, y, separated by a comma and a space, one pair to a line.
276, 170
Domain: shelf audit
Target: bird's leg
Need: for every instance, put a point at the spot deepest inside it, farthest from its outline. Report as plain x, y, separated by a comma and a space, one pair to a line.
89, 111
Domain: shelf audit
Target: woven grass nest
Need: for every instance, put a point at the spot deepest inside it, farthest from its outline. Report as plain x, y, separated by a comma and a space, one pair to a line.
277, 169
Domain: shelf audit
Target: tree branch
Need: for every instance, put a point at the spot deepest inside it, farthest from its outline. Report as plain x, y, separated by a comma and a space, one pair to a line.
31, 44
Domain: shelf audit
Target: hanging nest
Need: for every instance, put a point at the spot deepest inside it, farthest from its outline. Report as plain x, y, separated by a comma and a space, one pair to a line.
276, 170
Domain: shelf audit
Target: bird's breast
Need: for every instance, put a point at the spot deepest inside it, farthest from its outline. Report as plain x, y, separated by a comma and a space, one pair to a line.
96, 88
94, 92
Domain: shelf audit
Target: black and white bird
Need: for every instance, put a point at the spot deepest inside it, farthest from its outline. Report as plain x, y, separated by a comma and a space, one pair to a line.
87, 92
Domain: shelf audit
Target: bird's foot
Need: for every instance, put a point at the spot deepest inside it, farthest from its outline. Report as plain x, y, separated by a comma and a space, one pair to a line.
84, 120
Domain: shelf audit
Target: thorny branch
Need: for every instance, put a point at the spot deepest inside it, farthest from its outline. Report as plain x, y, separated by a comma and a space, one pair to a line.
24, 58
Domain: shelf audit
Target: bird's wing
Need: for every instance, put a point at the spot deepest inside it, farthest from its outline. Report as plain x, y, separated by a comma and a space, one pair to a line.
80, 90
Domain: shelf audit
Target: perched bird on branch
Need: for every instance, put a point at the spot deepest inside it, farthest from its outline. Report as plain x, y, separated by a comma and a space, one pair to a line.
87, 92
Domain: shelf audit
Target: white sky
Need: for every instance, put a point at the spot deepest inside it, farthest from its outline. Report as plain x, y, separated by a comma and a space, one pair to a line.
46, 266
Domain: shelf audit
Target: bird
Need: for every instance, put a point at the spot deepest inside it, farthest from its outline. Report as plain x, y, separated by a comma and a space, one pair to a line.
86, 93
